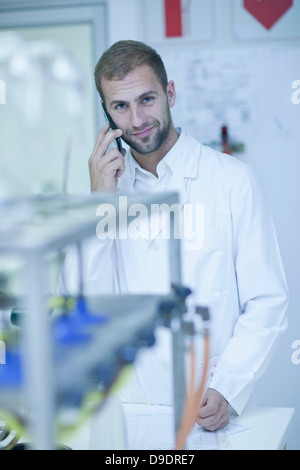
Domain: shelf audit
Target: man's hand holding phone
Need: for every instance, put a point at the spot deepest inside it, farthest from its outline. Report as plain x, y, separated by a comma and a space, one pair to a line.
106, 166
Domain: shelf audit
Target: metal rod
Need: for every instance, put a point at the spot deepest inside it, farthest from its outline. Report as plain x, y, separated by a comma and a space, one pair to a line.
38, 359
178, 371
175, 251
176, 327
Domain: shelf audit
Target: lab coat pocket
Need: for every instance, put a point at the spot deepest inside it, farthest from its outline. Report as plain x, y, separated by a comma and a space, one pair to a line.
208, 269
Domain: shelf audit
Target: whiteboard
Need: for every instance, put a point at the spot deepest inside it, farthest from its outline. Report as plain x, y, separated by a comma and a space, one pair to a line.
249, 90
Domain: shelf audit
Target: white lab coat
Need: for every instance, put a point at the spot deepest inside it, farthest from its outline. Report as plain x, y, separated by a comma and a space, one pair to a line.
235, 270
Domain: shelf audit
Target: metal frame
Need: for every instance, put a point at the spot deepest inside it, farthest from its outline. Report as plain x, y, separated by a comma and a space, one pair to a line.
37, 342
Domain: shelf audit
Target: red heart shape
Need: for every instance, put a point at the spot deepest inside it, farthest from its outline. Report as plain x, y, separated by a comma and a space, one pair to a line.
267, 12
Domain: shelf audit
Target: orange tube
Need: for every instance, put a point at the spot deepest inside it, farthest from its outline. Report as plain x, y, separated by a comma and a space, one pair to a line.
193, 400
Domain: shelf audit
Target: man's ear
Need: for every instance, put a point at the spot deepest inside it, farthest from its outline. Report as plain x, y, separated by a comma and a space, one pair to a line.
171, 93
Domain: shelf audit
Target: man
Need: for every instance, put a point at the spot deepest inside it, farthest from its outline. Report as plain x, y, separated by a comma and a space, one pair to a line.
237, 270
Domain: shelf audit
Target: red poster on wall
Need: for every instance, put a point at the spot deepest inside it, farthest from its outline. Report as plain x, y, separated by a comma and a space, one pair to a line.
267, 12
173, 18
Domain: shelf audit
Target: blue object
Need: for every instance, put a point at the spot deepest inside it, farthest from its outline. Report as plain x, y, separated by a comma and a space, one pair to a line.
70, 328
128, 354
84, 316
67, 330
11, 373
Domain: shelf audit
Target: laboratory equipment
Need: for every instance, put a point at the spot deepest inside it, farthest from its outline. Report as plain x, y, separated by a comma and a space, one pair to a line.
63, 367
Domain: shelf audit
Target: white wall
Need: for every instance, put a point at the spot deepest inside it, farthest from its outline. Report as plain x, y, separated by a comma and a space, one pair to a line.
273, 150
271, 146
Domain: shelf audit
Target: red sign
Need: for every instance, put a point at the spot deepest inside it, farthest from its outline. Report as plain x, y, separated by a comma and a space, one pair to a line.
173, 18
267, 12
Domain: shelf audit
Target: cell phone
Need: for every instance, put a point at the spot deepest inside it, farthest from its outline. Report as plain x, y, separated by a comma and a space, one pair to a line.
113, 126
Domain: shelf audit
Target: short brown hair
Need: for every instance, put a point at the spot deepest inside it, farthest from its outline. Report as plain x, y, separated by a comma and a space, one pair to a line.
122, 57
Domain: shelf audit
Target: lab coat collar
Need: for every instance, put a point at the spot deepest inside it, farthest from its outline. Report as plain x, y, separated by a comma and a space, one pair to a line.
182, 159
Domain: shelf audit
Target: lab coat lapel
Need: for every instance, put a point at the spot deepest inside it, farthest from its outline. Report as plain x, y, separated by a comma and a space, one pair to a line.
184, 166
160, 223
126, 187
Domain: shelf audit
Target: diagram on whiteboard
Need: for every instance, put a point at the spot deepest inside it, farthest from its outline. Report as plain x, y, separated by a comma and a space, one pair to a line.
240, 88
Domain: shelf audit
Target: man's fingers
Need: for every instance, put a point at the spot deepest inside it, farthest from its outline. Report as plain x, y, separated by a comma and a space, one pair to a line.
103, 131
105, 137
116, 164
213, 413
110, 136
214, 422
106, 166
208, 409
100, 138
100, 162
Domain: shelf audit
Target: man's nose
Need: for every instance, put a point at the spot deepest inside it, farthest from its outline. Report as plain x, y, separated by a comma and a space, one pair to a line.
137, 117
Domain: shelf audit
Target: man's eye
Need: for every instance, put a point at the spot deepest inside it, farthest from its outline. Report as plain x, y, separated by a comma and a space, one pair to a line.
120, 106
147, 99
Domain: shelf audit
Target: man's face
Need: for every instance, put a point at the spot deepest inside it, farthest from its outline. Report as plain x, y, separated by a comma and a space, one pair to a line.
140, 108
